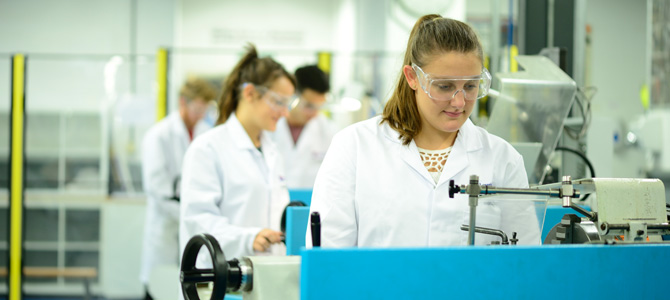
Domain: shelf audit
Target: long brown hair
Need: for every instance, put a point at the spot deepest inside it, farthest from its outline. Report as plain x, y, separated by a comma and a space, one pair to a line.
250, 69
431, 35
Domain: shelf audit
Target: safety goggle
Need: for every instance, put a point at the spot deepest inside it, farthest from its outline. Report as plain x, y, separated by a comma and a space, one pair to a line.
299, 101
446, 88
275, 100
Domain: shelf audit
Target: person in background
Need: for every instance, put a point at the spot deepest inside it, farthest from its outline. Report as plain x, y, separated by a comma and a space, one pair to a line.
163, 149
233, 185
385, 181
304, 135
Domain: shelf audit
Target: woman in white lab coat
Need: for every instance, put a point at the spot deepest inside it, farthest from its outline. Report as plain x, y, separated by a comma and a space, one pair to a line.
384, 182
233, 176
163, 149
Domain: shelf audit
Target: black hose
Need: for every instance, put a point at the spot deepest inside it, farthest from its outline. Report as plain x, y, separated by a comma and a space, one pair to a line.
584, 158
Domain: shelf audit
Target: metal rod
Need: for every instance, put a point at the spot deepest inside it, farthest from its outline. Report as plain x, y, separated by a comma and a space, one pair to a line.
473, 190
473, 216
486, 190
658, 226
489, 231
591, 215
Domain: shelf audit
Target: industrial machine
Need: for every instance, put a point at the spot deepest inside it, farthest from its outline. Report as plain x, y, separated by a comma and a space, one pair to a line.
626, 212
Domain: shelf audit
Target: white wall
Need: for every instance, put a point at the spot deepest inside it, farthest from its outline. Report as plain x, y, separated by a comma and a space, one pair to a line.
210, 35
619, 56
70, 42
618, 68
367, 44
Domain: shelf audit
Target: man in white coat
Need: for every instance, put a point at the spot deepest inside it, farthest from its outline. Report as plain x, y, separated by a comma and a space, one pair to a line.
304, 135
163, 149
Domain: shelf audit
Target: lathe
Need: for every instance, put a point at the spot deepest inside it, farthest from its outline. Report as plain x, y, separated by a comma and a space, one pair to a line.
625, 223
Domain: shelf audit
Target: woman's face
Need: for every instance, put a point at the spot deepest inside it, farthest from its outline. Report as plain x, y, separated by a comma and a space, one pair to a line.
444, 115
272, 104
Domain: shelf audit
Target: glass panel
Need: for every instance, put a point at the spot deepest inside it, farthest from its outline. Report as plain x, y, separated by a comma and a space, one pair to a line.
81, 259
41, 225
82, 226
3, 258
40, 258
82, 173
76, 105
42, 169
133, 112
5, 81
4, 212
660, 59
531, 107
64, 98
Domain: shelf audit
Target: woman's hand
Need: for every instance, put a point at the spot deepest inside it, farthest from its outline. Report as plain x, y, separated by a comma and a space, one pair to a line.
266, 238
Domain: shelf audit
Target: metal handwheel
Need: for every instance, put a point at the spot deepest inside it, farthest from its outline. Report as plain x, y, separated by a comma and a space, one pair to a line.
190, 275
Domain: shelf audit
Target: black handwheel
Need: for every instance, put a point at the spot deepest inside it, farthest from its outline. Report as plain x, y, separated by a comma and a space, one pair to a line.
190, 275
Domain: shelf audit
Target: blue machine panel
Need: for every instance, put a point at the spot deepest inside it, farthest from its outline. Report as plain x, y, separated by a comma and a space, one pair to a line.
304, 195
297, 218
487, 272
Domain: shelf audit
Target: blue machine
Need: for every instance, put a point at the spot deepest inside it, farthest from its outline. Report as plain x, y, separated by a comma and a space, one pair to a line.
296, 226
303, 195
487, 272
621, 271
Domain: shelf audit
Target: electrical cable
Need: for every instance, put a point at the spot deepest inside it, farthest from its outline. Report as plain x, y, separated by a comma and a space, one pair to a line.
583, 98
584, 158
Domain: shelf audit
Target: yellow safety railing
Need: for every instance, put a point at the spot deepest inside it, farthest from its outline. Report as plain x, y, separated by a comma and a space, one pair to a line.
324, 61
16, 180
162, 82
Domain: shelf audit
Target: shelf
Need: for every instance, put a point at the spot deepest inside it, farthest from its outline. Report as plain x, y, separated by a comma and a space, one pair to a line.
55, 289
55, 198
68, 246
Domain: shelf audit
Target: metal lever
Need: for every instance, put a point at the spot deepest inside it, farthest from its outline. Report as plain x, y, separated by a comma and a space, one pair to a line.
491, 231
315, 220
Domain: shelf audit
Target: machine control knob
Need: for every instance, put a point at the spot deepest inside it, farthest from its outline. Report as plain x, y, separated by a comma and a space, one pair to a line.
453, 189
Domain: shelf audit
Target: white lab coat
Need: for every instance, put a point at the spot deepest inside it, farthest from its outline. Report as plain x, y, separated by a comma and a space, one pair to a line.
372, 191
163, 149
231, 190
302, 160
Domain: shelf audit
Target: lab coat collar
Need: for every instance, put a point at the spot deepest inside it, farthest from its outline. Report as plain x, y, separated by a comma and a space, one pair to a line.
242, 139
177, 125
467, 140
284, 130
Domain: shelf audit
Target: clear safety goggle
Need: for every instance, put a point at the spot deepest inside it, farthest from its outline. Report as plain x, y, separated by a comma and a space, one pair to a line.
299, 101
446, 88
274, 99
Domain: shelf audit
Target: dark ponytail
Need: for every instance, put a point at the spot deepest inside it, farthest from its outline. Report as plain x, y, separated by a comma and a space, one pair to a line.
250, 69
